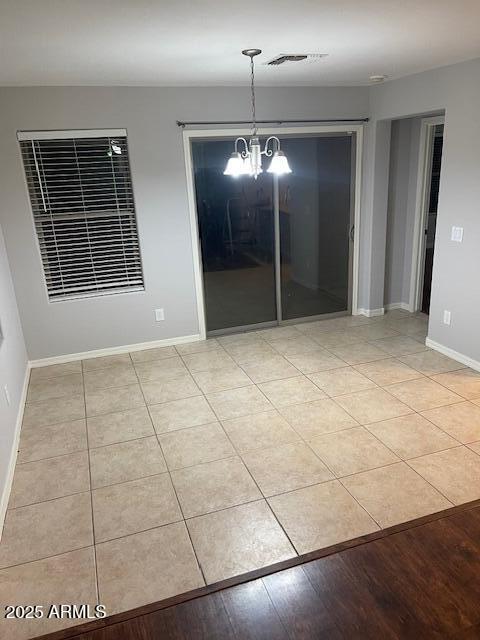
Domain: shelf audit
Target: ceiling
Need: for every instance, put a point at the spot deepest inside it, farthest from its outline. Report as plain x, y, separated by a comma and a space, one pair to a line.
198, 42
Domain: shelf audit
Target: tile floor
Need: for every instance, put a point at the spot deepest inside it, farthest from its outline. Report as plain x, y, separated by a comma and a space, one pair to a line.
144, 475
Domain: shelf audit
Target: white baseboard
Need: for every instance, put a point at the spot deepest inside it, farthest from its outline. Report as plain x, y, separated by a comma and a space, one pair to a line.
455, 355
111, 351
370, 313
398, 305
13, 454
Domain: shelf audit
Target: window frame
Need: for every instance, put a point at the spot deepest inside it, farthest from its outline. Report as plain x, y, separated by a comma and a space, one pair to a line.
71, 134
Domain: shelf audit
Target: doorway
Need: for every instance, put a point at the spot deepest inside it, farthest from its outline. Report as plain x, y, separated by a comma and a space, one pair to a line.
276, 250
431, 214
432, 139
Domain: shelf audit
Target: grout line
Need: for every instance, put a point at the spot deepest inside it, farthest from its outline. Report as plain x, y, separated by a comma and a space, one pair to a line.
240, 386
456, 446
200, 464
136, 479
367, 426
134, 533
361, 505
262, 496
463, 398
64, 396
282, 527
447, 404
52, 424
421, 413
172, 484
58, 455
53, 555
193, 426
36, 379
113, 444
33, 504
95, 562
429, 483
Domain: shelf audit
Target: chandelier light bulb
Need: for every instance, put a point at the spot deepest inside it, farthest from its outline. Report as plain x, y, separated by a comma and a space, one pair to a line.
235, 165
279, 164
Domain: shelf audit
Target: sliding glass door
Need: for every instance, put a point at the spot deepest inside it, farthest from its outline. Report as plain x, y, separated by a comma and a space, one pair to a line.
235, 220
315, 208
276, 249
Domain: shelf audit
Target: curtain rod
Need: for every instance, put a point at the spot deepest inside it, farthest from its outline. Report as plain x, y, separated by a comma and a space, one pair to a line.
182, 124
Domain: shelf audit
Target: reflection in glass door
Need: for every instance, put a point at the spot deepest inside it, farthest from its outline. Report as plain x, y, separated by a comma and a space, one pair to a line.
235, 219
276, 249
315, 208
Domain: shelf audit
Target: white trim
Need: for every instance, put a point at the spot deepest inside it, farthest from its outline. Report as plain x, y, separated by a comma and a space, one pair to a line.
455, 355
71, 133
398, 305
111, 351
421, 199
13, 454
357, 218
370, 313
233, 133
195, 238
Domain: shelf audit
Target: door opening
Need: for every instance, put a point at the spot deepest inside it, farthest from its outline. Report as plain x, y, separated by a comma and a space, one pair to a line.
275, 250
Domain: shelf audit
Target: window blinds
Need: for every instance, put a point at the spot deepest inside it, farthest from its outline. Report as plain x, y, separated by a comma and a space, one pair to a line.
83, 207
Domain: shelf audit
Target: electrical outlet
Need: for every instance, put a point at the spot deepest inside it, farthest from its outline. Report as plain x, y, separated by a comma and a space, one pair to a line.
159, 315
447, 317
457, 234
7, 394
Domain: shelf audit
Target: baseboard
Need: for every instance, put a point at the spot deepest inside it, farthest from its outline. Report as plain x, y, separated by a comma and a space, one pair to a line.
398, 305
13, 454
455, 355
370, 313
111, 351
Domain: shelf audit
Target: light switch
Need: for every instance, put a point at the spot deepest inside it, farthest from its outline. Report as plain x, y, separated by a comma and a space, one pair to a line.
159, 315
457, 234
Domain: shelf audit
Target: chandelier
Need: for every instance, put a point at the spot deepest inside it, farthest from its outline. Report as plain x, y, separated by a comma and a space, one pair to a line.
249, 160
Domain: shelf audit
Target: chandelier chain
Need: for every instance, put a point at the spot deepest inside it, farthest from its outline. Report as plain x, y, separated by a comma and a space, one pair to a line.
252, 76
249, 161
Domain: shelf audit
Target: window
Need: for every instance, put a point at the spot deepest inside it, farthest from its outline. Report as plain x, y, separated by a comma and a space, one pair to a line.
83, 207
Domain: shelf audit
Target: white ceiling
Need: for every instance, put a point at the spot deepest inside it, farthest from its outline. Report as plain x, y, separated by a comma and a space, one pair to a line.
198, 42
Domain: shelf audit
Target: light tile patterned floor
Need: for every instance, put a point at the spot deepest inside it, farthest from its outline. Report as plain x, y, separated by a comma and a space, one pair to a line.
144, 475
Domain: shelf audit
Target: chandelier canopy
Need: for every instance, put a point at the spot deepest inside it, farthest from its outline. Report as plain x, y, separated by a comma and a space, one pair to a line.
248, 161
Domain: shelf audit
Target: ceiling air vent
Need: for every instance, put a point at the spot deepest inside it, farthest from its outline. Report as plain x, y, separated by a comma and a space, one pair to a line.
295, 57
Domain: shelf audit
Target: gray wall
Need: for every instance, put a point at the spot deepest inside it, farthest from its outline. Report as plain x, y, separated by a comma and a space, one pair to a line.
373, 228
158, 171
149, 115
13, 362
403, 178
456, 266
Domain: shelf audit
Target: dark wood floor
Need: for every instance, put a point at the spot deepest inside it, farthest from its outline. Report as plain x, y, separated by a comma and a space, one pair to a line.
422, 582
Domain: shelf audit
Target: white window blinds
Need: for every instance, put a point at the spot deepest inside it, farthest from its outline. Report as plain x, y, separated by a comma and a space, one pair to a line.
83, 208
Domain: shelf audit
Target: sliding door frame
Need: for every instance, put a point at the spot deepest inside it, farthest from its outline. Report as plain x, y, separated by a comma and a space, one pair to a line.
190, 134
